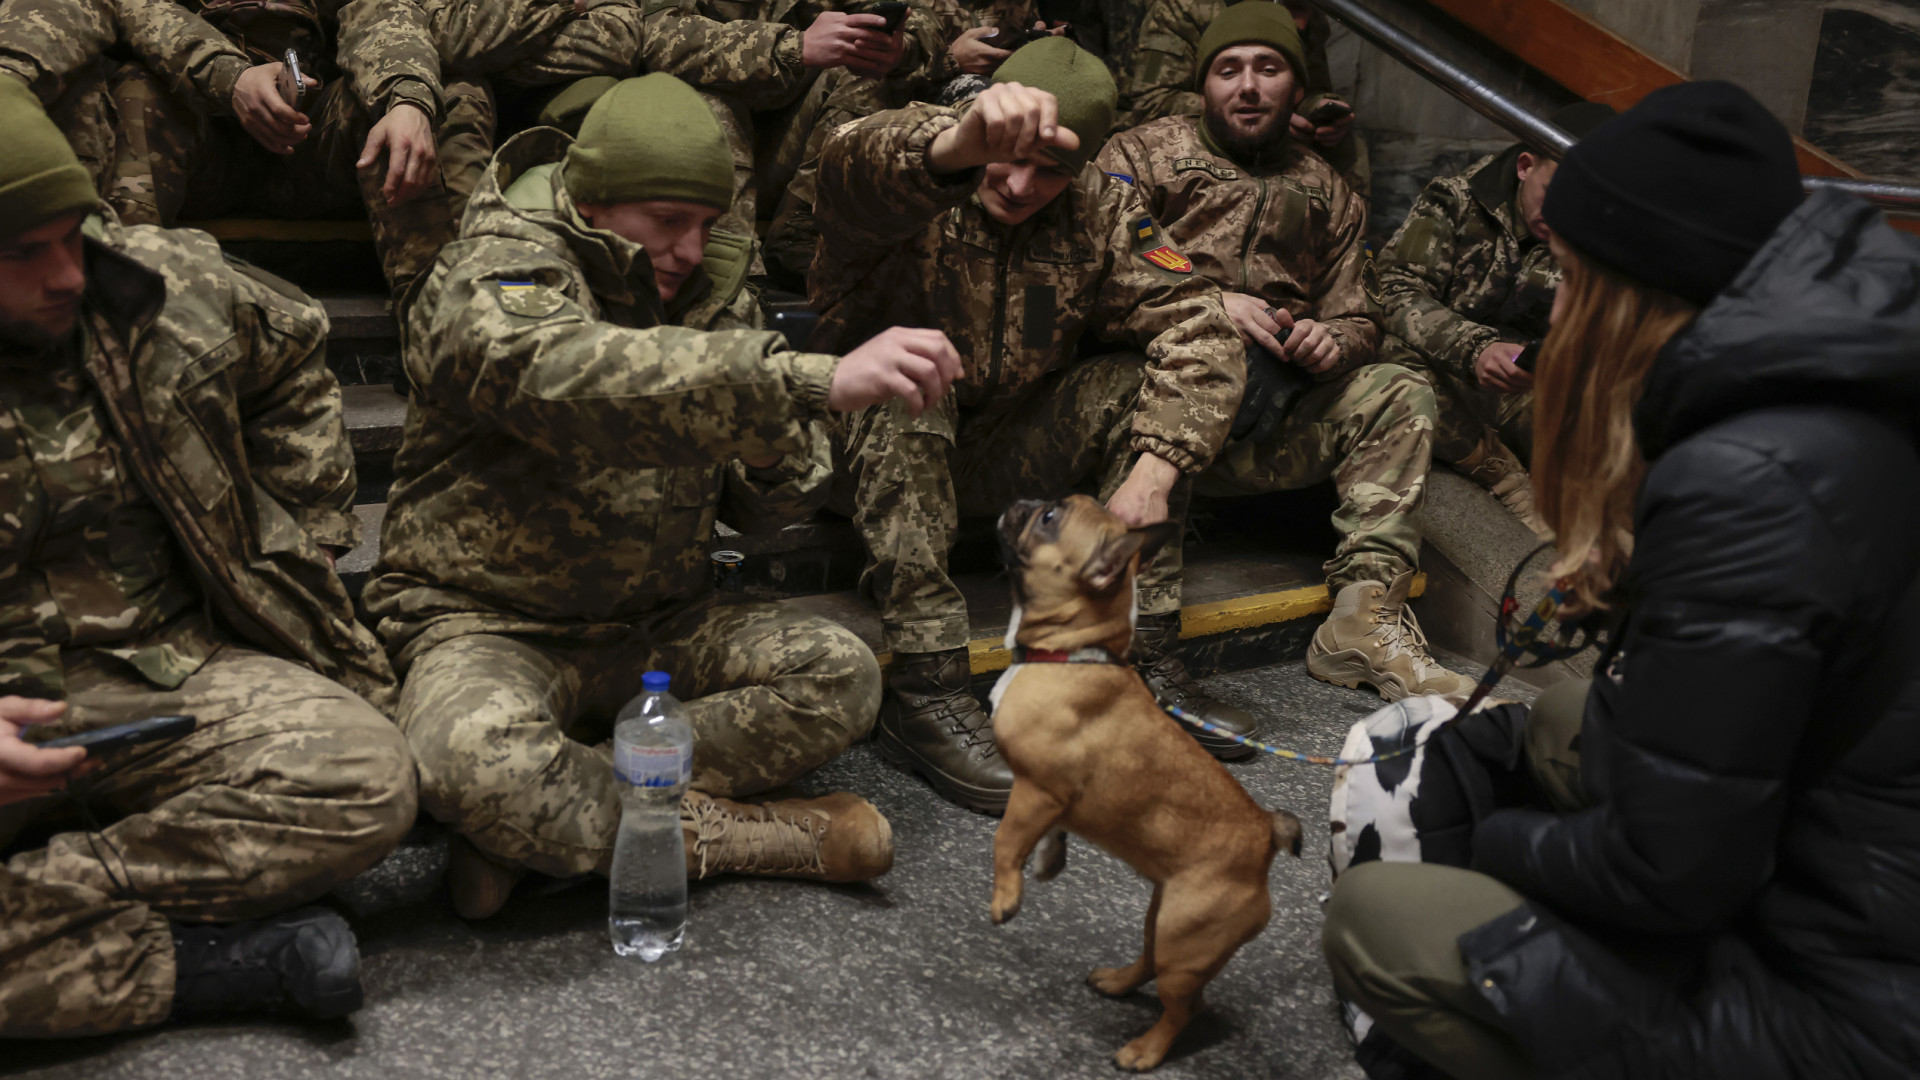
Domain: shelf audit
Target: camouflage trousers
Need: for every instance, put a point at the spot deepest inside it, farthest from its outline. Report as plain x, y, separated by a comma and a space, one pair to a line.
907, 482
290, 785
1468, 412
174, 165
505, 726
1371, 431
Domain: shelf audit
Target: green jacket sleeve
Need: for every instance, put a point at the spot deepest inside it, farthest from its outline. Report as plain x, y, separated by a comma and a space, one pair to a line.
294, 425
1196, 364
1344, 298
758, 63
1416, 271
534, 362
44, 42
876, 192
387, 49
1159, 81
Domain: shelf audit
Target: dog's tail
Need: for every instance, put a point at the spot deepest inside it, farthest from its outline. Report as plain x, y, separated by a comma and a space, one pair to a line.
1286, 832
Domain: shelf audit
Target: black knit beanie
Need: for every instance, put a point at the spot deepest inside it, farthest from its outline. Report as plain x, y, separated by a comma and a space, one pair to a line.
1681, 190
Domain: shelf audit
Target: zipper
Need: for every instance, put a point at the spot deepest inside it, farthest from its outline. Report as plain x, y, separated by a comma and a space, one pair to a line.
1001, 266
1253, 229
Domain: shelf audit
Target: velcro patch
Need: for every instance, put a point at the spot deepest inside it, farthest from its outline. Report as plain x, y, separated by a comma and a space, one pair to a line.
527, 299
1121, 176
1219, 172
1166, 258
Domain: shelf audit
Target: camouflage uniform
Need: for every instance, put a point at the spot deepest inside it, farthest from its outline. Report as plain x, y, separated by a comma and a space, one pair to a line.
569, 445
901, 245
170, 477
1462, 272
1290, 233
1162, 78
181, 156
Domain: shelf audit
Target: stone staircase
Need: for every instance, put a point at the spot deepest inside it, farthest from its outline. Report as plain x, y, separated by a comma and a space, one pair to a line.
1253, 593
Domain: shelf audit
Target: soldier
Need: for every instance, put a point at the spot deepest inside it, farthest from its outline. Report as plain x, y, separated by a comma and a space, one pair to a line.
1163, 79
176, 476
1466, 283
588, 396
206, 129
992, 225
1279, 229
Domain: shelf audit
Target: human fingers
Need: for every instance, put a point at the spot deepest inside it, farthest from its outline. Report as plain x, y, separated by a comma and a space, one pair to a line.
1300, 126
399, 156
27, 761
932, 347
1264, 338
900, 386
25, 710
376, 142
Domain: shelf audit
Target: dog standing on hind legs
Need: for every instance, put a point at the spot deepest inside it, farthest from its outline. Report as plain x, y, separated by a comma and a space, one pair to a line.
1093, 754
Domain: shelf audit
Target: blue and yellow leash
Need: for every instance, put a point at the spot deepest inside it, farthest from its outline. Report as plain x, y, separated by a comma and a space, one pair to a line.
1514, 647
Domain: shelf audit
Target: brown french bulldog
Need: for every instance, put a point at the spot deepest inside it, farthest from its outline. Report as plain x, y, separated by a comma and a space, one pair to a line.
1094, 755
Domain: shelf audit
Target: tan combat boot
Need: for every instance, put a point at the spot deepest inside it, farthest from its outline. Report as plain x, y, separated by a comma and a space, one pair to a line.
480, 886
838, 837
1371, 637
1494, 467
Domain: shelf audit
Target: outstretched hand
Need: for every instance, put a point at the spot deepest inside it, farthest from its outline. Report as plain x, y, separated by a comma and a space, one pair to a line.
916, 366
1008, 122
405, 135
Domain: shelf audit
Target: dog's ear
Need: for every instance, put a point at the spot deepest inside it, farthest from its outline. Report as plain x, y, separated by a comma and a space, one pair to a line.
1110, 561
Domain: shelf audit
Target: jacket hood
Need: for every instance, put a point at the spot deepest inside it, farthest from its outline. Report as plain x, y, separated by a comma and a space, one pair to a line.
518, 198
1828, 311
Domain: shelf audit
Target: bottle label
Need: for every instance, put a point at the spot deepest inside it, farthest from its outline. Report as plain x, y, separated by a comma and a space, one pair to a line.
652, 766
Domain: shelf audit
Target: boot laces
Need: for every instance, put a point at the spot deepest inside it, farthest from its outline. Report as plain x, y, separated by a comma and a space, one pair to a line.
758, 839
1400, 634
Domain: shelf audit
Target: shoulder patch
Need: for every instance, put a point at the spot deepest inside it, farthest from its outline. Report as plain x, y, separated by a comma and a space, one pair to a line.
1191, 164
1166, 258
528, 300
1121, 176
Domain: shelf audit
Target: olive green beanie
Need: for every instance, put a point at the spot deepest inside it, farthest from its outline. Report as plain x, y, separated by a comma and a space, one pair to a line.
1253, 22
1078, 80
650, 138
40, 178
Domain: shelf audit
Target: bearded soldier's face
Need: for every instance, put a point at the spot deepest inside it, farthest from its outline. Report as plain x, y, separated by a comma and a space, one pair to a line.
42, 276
1250, 92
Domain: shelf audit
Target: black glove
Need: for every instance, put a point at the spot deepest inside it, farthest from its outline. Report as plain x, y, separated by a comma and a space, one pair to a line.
1272, 384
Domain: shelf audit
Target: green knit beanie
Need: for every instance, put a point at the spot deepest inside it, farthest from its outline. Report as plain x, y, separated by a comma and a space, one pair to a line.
1253, 22
40, 178
650, 138
1078, 80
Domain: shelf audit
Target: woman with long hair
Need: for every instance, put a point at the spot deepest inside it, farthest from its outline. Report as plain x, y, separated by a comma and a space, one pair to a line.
1727, 446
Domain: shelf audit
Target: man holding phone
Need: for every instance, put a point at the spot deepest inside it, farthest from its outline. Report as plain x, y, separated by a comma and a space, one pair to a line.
1280, 232
176, 475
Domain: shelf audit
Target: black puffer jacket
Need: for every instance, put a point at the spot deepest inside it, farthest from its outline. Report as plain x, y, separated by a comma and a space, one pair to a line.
1753, 750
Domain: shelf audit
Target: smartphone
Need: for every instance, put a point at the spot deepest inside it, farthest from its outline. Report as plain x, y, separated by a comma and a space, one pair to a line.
1329, 111
1011, 38
894, 11
292, 84
1528, 357
107, 740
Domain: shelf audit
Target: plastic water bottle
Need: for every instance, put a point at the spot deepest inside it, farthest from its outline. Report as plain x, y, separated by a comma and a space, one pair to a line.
652, 761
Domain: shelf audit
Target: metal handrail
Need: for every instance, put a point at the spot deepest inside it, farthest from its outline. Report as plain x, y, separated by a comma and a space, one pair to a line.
1535, 130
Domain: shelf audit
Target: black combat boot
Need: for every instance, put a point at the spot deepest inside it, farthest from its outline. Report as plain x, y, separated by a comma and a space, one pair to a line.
931, 723
303, 964
1154, 637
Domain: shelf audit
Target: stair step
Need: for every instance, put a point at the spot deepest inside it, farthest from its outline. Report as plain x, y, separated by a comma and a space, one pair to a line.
360, 318
376, 417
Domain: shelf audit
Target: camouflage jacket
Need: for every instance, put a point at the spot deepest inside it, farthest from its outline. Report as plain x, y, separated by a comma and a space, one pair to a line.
1292, 234
1162, 78
956, 17
570, 441
756, 33
902, 246
384, 46
1463, 271
214, 376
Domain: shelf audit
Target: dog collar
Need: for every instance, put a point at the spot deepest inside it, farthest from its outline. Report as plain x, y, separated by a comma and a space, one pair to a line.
1091, 654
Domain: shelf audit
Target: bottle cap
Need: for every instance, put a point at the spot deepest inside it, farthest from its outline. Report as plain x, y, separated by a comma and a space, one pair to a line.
655, 682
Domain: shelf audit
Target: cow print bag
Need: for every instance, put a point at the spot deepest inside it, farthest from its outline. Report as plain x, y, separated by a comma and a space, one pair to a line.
1423, 806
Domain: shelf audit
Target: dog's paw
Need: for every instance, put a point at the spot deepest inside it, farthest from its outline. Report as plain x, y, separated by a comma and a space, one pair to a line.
1006, 904
1134, 1057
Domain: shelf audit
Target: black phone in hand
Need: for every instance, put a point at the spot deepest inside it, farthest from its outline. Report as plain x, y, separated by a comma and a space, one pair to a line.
119, 737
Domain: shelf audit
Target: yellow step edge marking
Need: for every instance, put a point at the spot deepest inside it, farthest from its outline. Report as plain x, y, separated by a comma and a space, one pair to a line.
986, 655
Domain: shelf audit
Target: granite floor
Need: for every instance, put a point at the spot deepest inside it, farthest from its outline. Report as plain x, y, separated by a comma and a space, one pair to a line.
905, 978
